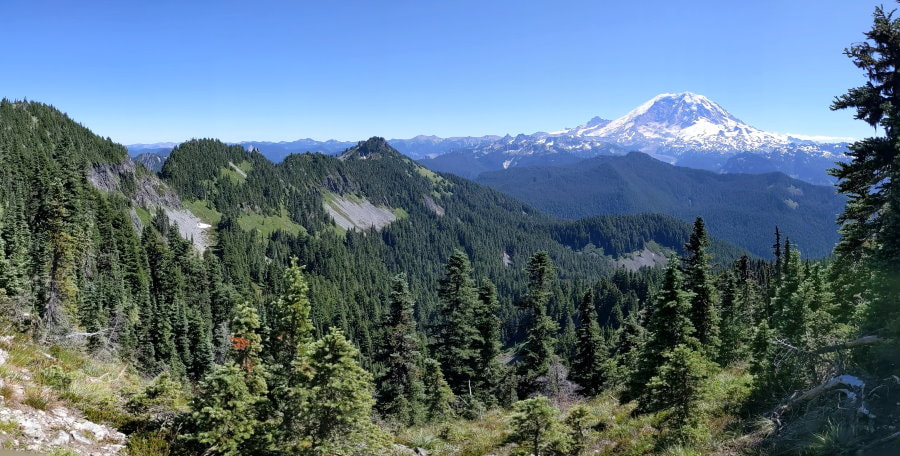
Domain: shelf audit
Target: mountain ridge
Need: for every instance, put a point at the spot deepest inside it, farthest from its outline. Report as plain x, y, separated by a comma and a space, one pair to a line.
681, 128
735, 206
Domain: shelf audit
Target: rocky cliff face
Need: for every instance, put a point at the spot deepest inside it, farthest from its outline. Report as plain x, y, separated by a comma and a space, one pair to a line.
148, 192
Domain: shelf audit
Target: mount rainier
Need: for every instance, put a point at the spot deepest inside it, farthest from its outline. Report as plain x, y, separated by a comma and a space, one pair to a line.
685, 129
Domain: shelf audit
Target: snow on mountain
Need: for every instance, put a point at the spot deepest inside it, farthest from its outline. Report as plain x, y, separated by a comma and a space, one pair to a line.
672, 123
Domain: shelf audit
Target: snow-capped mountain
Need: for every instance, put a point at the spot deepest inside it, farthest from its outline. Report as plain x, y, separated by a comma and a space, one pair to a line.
674, 122
682, 121
684, 129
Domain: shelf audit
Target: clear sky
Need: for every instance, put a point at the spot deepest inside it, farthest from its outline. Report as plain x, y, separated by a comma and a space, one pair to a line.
260, 70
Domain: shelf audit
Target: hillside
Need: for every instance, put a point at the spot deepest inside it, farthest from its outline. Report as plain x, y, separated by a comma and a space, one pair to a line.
310, 199
743, 209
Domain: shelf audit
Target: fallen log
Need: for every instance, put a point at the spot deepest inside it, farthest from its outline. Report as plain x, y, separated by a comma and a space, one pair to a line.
841, 380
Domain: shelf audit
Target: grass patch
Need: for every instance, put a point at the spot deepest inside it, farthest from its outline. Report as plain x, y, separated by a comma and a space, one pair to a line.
37, 398
237, 173
204, 210
143, 215
9, 427
154, 444
268, 224
63, 452
400, 213
7, 391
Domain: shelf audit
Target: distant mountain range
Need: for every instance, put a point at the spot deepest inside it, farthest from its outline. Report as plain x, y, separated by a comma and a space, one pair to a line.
739, 208
684, 129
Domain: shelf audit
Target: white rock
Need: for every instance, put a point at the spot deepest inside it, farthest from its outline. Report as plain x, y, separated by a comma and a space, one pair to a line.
3, 356
99, 431
80, 438
62, 438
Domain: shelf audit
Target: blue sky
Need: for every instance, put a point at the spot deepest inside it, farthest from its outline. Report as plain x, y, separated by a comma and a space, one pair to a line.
259, 70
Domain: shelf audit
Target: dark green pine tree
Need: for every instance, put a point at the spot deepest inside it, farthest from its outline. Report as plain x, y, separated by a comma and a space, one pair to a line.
678, 387
590, 350
698, 282
669, 326
790, 315
438, 395
290, 326
870, 230
457, 340
488, 325
401, 394
333, 398
735, 330
536, 351
225, 418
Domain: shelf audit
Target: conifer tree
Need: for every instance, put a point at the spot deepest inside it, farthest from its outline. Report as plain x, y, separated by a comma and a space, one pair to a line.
334, 401
698, 282
677, 387
401, 394
735, 332
438, 395
488, 325
536, 351
458, 340
790, 315
669, 326
289, 320
226, 410
870, 230
535, 426
590, 350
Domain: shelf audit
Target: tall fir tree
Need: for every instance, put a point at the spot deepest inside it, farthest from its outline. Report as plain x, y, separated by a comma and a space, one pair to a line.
457, 339
590, 349
669, 326
735, 329
535, 353
488, 325
401, 394
698, 282
870, 223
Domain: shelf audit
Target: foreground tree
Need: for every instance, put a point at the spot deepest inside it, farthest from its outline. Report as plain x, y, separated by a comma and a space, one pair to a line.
457, 340
334, 401
678, 389
401, 395
698, 282
535, 426
870, 230
488, 325
590, 351
226, 412
535, 353
669, 326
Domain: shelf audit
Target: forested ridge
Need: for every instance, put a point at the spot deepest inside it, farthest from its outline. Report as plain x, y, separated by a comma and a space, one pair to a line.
735, 205
468, 323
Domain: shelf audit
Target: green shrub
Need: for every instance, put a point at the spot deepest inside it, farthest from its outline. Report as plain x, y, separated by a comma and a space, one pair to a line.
55, 377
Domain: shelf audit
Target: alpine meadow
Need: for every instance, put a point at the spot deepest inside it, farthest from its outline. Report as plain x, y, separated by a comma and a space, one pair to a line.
671, 282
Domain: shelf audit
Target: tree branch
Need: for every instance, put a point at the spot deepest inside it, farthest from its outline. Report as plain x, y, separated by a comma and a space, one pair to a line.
865, 340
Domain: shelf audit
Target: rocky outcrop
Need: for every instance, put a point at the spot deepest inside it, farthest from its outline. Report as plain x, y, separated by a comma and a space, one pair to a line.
360, 214
147, 191
23, 427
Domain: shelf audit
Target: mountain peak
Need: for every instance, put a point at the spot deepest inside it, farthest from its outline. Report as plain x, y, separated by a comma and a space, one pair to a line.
373, 148
681, 121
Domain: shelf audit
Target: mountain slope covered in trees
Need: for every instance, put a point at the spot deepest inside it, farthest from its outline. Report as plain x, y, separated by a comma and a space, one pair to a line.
462, 322
740, 208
